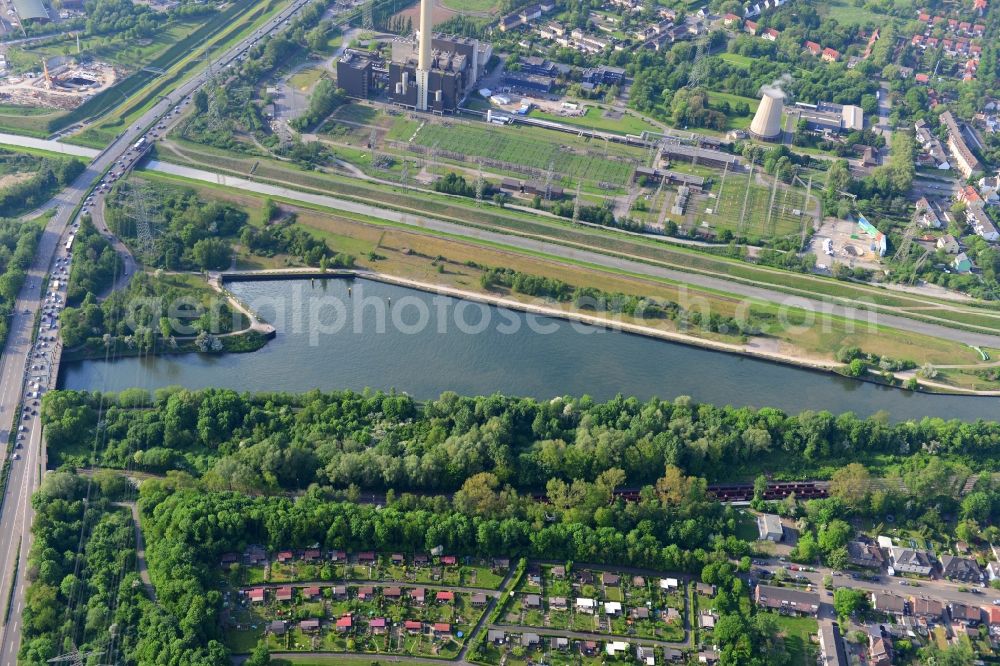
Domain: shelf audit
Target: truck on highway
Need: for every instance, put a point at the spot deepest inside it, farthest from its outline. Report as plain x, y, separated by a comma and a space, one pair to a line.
140, 143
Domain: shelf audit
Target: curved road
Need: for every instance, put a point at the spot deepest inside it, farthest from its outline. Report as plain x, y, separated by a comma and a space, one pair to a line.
820, 307
25, 474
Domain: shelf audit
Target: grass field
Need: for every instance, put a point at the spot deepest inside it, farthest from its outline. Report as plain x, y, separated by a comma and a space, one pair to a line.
306, 78
513, 146
594, 119
848, 13
737, 59
796, 633
478, 6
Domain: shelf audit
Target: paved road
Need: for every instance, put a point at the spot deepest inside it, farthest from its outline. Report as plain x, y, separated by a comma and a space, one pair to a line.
589, 256
16, 513
49, 145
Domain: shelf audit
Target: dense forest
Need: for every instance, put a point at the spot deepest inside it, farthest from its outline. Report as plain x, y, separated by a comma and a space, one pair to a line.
95, 263
374, 440
48, 175
17, 250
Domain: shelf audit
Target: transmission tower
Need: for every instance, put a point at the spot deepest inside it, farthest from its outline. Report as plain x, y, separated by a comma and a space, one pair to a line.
699, 65
918, 265
576, 205
768, 225
480, 183
903, 251
722, 186
372, 138
746, 199
548, 180
75, 657
142, 212
368, 15
805, 216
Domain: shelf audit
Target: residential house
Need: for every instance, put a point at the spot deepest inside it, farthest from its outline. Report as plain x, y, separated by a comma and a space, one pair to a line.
558, 603
256, 595
285, 556
449, 560
441, 629
478, 599
532, 601
366, 592
965, 160
312, 555
586, 605
993, 619
338, 556
669, 583
864, 554
750, 26
708, 657
283, 593
948, 244
277, 627
255, 556
339, 591
930, 610
970, 616
813, 48
705, 589
910, 560
925, 214
672, 654
345, 624
993, 570
496, 636
613, 608
530, 640
770, 34
397, 558
638, 581
975, 215
419, 595
559, 571
610, 579
560, 643
787, 600
989, 189
640, 613
671, 615
422, 560
444, 596
769, 527
614, 648
961, 569
588, 648
501, 563
730, 20
645, 655
393, 593
962, 263
706, 621
831, 55
309, 626
378, 625
311, 593
831, 645
879, 650
366, 557
888, 603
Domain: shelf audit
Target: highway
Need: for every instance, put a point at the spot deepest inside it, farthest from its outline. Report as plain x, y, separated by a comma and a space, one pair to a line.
26, 472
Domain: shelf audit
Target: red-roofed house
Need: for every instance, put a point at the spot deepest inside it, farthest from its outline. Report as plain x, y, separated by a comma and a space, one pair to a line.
992, 615
377, 625
979, 6
968, 194
441, 628
918, 40
965, 27
831, 55
922, 78
730, 20
924, 17
938, 19
418, 594
338, 556
412, 626
392, 593
312, 555
771, 35
311, 593
285, 556
366, 592
284, 593
345, 623
932, 42
978, 30
952, 24
444, 596
813, 48
366, 557
750, 26
976, 50
257, 595
448, 560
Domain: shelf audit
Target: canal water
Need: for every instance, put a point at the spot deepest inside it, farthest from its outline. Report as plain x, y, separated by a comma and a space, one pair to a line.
384, 336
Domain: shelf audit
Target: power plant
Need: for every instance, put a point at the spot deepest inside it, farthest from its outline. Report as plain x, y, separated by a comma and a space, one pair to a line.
433, 72
766, 124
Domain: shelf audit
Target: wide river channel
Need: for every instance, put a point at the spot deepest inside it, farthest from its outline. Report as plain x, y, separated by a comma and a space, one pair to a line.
384, 336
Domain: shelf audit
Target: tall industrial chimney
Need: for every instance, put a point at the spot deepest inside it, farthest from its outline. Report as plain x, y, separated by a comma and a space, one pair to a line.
766, 123
424, 53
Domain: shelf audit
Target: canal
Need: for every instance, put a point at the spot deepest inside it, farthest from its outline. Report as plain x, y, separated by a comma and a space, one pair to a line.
384, 336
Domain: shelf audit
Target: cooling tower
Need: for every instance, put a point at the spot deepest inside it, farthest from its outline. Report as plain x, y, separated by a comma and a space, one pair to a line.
766, 123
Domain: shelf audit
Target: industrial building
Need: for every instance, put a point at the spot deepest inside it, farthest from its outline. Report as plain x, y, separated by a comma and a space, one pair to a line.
437, 73
31, 11
766, 124
829, 117
360, 73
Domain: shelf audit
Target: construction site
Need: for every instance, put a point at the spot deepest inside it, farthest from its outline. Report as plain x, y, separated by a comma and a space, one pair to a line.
64, 86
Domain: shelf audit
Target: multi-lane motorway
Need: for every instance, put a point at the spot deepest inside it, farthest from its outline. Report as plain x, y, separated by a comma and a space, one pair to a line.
26, 471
